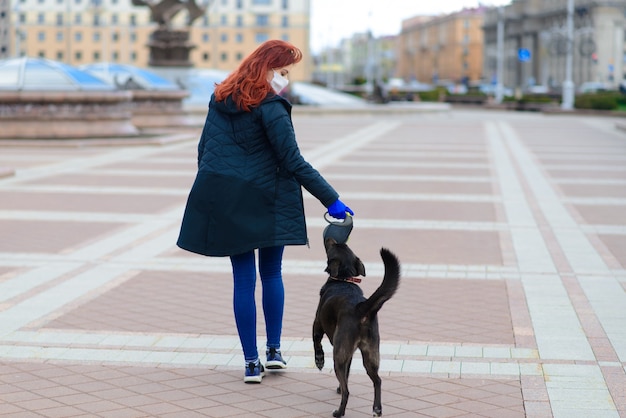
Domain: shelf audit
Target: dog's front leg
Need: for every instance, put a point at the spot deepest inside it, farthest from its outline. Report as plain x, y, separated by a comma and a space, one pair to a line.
318, 334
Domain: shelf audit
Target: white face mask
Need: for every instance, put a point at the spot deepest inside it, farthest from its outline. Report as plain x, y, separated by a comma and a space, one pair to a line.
278, 82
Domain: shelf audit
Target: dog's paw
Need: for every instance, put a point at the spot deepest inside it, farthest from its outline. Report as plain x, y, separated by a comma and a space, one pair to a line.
336, 413
377, 412
319, 360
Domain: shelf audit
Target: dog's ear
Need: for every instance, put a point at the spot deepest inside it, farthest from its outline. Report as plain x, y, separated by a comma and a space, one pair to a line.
333, 268
329, 242
360, 268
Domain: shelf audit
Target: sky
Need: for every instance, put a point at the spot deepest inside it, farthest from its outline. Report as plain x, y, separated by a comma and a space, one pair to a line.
333, 20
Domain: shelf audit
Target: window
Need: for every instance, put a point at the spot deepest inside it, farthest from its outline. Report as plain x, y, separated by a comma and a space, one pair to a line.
133, 20
41, 36
224, 20
22, 18
224, 38
59, 36
285, 22
261, 2
59, 56
239, 56
239, 38
205, 37
40, 18
78, 19
96, 56
261, 37
239, 21
115, 36
239, 4
205, 20
96, 20
114, 19
78, 56
133, 37
78, 36
205, 56
285, 4
41, 54
96, 36
224, 56
262, 20
59, 19
133, 56
115, 55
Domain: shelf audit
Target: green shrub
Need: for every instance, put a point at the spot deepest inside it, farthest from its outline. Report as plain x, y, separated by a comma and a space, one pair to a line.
536, 98
429, 96
598, 101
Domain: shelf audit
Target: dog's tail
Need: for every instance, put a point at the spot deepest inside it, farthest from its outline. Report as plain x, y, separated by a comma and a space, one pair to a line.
387, 288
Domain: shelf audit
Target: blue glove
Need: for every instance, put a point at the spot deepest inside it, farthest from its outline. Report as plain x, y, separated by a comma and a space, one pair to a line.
338, 210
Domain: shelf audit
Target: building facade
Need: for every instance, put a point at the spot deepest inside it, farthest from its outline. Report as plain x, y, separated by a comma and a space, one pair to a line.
536, 42
445, 48
359, 59
86, 31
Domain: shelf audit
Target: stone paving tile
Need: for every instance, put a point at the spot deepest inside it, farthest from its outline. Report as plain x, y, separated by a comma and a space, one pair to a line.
171, 302
418, 187
602, 214
6, 272
89, 202
617, 245
585, 173
148, 164
414, 169
434, 246
429, 210
51, 237
112, 391
107, 180
605, 190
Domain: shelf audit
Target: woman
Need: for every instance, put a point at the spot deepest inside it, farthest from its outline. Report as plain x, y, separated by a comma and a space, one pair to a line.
247, 193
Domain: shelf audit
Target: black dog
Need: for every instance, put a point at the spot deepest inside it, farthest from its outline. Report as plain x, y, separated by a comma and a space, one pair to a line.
349, 320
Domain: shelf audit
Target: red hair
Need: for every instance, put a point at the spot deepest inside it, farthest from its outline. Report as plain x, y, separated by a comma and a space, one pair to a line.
247, 85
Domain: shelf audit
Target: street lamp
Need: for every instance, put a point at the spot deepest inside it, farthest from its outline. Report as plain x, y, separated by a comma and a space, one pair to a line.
567, 102
500, 56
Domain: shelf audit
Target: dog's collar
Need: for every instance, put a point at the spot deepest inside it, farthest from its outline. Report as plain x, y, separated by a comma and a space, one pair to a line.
349, 279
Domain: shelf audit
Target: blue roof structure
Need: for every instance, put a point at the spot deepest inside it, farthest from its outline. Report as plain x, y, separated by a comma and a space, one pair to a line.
26, 73
129, 77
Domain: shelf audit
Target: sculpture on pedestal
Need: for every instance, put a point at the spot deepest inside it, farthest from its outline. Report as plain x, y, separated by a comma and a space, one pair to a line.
170, 47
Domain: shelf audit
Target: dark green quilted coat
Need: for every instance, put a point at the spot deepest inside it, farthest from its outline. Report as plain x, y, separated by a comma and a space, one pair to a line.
247, 193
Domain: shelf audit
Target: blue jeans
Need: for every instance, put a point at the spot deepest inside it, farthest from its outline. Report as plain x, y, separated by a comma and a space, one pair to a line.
244, 275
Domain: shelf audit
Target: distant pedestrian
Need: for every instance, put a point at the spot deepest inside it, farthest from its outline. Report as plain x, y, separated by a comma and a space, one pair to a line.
247, 194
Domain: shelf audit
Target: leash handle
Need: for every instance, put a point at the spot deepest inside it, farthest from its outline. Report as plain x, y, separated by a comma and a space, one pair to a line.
346, 221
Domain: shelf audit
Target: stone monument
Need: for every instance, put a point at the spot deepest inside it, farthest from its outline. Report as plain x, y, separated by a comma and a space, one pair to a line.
170, 47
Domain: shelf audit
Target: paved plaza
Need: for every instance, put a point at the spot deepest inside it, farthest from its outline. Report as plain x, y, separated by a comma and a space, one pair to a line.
510, 227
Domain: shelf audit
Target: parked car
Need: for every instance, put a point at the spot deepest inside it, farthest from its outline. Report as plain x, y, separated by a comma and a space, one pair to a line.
490, 90
538, 89
593, 87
